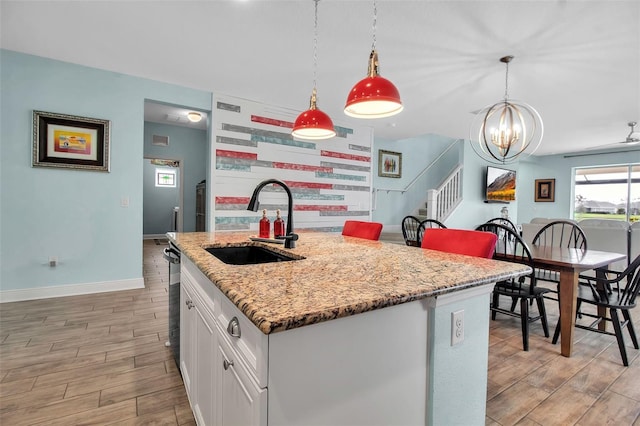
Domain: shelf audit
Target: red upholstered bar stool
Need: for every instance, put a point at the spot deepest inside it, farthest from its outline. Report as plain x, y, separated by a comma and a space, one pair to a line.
361, 229
460, 241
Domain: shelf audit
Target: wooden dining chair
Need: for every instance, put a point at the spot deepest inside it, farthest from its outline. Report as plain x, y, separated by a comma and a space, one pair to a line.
460, 241
504, 221
362, 229
410, 225
618, 295
510, 247
559, 233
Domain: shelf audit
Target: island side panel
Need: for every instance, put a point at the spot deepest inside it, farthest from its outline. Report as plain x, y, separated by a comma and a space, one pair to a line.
458, 372
367, 369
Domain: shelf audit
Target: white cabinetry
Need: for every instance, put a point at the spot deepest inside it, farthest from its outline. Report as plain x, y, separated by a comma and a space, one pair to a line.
387, 366
198, 343
218, 356
241, 401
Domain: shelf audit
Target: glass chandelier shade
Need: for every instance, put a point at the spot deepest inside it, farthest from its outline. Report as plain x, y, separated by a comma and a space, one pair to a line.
507, 130
313, 124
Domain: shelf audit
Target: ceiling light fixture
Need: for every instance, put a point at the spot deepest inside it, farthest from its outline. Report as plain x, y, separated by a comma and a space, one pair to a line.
194, 117
314, 124
507, 129
374, 96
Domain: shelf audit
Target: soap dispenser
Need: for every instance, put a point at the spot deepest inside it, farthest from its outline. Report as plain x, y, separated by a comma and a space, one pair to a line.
278, 225
265, 225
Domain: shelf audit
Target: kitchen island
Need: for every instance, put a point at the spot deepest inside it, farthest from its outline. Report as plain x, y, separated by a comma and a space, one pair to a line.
352, 332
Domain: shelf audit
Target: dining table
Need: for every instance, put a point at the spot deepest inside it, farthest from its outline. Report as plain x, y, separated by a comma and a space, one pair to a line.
569, 263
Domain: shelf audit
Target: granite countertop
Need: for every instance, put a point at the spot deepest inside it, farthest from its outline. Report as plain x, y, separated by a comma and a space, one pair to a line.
336, 277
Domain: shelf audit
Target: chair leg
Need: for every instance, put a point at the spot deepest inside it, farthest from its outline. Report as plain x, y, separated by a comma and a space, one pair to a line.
524, 319
543, 315
619, 338
496, 304
556, 333
627, 316
514, 302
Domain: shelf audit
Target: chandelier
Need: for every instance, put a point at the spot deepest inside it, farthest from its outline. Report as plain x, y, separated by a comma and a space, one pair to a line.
507, 129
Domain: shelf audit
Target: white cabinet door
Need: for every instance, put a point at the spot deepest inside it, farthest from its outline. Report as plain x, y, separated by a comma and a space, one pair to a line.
206, 344
187, 336
239, 401
198, 345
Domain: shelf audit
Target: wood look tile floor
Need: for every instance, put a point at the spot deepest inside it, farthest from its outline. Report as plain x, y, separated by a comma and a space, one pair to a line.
101, 359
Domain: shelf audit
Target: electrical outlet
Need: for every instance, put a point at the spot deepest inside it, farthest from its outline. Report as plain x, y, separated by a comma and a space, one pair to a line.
457, 327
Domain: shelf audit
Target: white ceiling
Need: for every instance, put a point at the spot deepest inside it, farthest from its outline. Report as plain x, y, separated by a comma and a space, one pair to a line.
576, 61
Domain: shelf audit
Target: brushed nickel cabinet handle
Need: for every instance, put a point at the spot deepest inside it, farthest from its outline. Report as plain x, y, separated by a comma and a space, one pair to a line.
234, 327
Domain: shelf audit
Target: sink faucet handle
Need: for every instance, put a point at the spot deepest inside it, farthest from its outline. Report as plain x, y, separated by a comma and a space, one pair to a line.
289, 240
291, 236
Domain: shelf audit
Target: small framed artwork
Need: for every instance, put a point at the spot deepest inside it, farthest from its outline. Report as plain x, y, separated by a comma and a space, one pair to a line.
70, 142
545, 190
389, 164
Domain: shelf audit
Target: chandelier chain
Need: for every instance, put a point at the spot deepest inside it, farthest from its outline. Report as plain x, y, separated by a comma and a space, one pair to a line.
375, 24
506, 82
315, 45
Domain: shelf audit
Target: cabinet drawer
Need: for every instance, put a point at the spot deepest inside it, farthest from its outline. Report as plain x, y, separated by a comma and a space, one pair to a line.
244, 337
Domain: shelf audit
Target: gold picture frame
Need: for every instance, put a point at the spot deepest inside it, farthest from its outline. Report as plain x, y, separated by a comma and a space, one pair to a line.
389, 164
545, 190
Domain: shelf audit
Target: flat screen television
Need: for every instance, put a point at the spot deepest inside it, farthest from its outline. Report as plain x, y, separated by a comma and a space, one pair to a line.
500, 184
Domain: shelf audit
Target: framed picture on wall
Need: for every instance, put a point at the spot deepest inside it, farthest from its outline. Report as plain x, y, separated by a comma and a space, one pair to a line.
70, 142
389, 164
545, 190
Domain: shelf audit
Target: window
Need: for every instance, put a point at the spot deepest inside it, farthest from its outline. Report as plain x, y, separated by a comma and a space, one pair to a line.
165, 178
608, 192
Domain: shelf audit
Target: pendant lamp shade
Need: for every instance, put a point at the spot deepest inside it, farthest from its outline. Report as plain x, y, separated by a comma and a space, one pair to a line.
374, 96
313, 124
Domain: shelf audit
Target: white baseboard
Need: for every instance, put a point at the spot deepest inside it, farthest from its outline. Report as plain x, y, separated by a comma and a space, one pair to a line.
69, 290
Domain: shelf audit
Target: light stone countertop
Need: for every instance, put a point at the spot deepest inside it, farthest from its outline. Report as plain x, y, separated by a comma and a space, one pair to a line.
339, 276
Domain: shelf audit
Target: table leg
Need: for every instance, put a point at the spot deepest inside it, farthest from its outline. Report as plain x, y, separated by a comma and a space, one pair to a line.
567, 295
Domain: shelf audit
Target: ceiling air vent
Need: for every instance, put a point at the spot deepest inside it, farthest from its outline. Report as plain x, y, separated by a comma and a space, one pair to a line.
160, 140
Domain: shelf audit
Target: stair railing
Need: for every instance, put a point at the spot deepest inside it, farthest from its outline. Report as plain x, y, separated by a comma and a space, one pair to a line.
442, 201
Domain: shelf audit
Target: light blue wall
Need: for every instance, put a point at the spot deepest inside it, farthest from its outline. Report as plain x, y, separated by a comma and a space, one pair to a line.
473, 211
75, 215
417, 154
560, 168
190, 147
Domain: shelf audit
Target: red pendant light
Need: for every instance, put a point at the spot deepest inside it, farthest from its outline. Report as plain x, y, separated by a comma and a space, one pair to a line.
373, 96
313, 124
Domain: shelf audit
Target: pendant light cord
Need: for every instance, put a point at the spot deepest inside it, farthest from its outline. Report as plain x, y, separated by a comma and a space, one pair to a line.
315, 46
375, 23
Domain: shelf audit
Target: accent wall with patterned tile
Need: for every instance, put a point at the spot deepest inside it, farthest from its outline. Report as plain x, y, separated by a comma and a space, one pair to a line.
330, 180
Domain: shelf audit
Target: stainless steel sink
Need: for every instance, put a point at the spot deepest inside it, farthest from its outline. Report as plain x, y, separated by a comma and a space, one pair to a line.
247, 255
